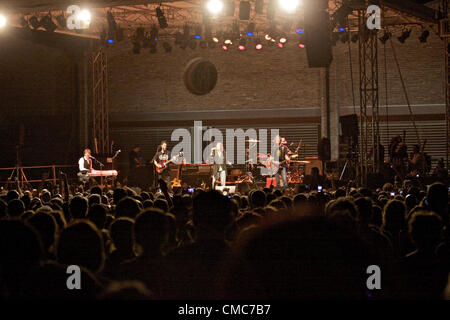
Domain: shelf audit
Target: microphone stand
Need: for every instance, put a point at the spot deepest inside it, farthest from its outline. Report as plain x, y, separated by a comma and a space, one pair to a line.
101, 166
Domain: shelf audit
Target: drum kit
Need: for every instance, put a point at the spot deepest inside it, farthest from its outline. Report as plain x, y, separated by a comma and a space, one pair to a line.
260, 169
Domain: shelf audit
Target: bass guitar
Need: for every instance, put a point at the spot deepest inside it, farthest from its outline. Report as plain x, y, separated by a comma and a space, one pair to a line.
163, 165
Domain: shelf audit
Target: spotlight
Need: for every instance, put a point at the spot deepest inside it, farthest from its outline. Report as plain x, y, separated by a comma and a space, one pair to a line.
35, 24
405, 35
197, 36
110, 41
228, 42
214, 6
280, 45
161, 18
136, 47
2, 21
250, 29
341, 29
258, 45
355, 38
203, 44
267, 37
283, 40
301, 45
167, 47
242, 44
154, 33
224, 47
85, 18
215, 39
48, 23
299, 31
289, 5
385, 37
423, 37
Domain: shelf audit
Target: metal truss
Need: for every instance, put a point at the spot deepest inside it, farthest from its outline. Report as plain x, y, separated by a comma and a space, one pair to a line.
369, 113
100, 117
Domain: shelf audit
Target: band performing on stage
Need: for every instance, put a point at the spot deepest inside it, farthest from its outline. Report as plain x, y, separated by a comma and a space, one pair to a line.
278, 168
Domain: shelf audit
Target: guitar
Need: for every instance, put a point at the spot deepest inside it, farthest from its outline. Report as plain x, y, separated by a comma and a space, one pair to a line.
161, 166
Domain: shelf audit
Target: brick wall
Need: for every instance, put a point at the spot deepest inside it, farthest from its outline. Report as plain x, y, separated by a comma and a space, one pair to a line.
270, 78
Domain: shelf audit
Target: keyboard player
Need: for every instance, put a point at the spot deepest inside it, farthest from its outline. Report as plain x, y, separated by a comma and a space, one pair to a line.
85, 167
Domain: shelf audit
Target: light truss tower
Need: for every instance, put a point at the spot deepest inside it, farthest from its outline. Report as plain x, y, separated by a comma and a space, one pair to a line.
445, 33
368, 90
100, 118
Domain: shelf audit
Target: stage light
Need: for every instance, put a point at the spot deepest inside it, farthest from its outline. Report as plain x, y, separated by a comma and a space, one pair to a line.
35, 24
2, 21
283, 40
280, 45
110, 41
355, 38
385, 37
258, 46
423, 37
301, 45
197, 36
167, 47
267, 37
48, 24
341, 29
405, 35
299, 31
224, 47
85, 16
214, 6
289, 5
216, 40
228, 42
242, 44
161, 18
250, 29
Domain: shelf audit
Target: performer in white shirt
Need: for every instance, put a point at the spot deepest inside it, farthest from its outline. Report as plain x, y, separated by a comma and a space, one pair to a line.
85, 166
220, 164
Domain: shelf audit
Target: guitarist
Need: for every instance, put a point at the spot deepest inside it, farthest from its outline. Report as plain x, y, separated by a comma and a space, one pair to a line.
282, 157
161, 156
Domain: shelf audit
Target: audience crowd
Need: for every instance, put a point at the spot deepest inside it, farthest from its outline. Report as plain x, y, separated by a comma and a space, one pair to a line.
266, 244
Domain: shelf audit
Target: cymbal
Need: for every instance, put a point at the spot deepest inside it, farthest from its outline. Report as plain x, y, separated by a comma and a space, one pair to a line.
252, 140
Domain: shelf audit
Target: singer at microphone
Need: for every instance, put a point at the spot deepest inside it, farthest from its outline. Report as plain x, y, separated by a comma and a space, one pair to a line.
85, 162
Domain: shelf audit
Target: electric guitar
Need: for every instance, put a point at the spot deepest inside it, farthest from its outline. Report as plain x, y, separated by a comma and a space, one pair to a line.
161, 166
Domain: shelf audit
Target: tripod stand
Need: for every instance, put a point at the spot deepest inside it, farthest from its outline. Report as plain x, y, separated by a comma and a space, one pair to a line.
20, 177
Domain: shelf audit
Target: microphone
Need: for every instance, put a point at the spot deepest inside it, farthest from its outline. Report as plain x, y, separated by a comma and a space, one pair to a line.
92, 157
